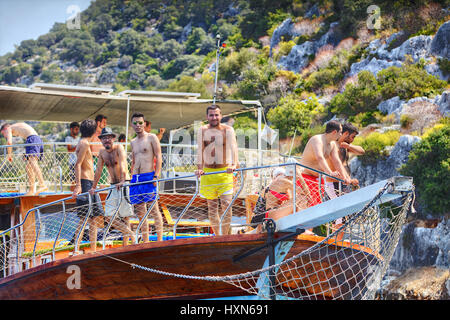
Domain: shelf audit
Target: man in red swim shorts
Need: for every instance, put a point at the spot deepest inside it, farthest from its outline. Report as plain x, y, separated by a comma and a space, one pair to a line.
317, 153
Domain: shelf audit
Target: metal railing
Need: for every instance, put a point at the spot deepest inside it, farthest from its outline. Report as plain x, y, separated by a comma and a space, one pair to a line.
17, 242
59, 175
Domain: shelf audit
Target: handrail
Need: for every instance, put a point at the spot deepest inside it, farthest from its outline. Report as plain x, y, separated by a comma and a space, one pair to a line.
231, 204
105, 232
60, 230
80, 229
164, 180
141, 222
185, 208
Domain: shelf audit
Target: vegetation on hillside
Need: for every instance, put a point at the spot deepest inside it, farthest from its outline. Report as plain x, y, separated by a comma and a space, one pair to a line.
429, 165
171, 45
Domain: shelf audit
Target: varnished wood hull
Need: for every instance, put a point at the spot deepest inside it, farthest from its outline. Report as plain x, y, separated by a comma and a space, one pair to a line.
103, 277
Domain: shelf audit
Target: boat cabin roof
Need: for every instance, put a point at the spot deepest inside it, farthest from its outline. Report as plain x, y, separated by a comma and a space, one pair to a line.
62, 103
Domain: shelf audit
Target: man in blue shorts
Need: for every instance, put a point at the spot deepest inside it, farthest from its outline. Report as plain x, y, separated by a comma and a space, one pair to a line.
145, 148
33, 152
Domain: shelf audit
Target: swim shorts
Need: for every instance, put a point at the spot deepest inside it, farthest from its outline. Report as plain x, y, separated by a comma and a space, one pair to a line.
145, 192
313, 185
212, 186
118, 199
83, 201
34, 150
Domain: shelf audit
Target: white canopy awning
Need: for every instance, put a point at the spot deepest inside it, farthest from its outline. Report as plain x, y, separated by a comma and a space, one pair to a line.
61, 103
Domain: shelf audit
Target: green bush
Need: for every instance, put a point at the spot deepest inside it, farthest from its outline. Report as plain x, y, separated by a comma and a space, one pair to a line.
408, 81
361, 97
375, 145
292, 114
189, 84
429, 165
444, 65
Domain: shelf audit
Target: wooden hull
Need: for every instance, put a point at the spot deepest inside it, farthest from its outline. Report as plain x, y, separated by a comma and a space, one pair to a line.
103, 277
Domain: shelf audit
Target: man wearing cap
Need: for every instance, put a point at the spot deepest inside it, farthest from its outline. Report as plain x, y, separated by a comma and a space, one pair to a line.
115, 159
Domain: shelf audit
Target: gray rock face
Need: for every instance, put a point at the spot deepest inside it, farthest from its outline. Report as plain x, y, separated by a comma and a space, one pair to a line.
300, 54
390, 106
443, 101
386, 168
313, 11
298, 58
419, 246
397, 106
441, 42
285, 28
331, 37
417, 47
186, 32
374, 66
435, 70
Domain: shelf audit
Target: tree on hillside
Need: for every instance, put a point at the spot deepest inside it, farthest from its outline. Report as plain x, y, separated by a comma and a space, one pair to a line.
429, 165
292, 115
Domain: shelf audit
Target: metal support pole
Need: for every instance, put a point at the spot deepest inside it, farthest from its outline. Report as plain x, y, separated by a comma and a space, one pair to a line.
127, 123
259, 135
217, 68
270, 227
60, 229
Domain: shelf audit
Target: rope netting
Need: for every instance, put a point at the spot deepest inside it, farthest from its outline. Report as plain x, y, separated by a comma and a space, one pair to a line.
347, 264
342, 259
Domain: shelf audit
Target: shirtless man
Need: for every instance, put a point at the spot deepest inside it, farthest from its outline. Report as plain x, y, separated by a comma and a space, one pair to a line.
101, 121
318, 153
217, 151
115, 159
341, 150
33, 153
84, 176
148, 129
145, 147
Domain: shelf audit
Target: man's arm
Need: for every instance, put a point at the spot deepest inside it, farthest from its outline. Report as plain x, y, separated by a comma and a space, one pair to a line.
234, 149
123, 165
132, 158
161, 133
70, 147
82, 149
98, 172
358, 150
337, 163
199, 170
157, 154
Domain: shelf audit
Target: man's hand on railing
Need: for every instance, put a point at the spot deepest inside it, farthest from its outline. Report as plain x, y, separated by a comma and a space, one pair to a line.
76, 191
92, 191
231, 169
199, 172
119, 185
336, 174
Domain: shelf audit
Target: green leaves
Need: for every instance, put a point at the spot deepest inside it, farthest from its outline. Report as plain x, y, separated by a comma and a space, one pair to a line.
429, 165
291, 114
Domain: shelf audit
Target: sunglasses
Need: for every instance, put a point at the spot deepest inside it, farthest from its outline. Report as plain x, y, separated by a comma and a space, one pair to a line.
138, 122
